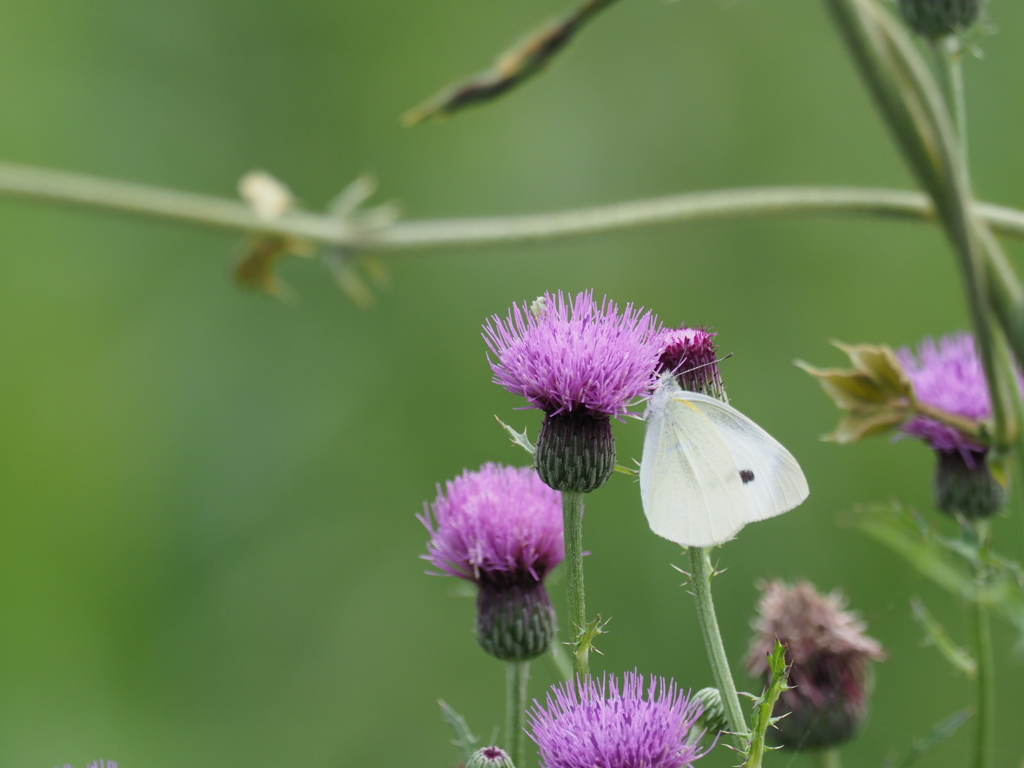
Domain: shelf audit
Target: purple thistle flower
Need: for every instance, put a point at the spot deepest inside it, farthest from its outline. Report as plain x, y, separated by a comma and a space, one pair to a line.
498, 525
574, 355
598, 724
947, 375
501, 528
689, 353
98, 764
581, 363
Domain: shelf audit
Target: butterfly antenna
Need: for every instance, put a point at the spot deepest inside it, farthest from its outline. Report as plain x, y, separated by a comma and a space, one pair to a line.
679, 369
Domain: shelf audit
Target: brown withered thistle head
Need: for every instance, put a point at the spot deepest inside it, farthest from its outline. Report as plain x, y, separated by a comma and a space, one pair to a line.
828, 653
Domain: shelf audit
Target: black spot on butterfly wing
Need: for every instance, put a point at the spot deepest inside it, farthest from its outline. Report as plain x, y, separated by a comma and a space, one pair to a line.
747, 476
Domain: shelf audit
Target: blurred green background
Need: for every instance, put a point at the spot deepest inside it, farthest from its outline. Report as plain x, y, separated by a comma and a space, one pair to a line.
208, 551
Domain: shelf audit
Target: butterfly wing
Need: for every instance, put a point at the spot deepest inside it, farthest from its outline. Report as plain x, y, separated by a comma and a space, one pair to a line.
771, 479
689, 483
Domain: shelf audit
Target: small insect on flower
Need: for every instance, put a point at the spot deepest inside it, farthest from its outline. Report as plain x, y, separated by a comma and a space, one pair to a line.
708, 470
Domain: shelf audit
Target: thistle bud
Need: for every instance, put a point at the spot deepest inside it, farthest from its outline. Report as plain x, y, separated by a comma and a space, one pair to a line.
514, 622
949, 375
490, 757
964, 485
712, 719
689, 354
828, 653
575, 451
938, 18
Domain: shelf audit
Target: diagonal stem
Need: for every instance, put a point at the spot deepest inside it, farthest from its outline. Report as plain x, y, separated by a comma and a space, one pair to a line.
700, 578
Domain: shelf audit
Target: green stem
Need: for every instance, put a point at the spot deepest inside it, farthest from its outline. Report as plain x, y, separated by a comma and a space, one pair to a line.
917, 114
517, 678
827, 758
949, 66
19, 182
572, 520
700, 579
984, 686
981, 637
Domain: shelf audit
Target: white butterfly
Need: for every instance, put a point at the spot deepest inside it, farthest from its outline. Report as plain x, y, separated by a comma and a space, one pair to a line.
708, 470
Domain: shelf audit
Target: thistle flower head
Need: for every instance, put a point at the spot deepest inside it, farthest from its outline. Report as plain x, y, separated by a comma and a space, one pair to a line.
490, 757
581, 363
689, 353
590, 723
501, 528
499, 525
571, 355
829, 654
939, 18
948, 375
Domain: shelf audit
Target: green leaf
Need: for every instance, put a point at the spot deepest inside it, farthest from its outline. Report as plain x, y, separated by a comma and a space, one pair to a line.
561, 661
908, 535
351, 197
856, 426
464, 739
875, 395
950, 563
937, 635
518, 438
930, 740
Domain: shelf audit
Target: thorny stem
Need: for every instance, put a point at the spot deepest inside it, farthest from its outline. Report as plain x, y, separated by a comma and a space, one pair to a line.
700, 580
572, 521
19, 182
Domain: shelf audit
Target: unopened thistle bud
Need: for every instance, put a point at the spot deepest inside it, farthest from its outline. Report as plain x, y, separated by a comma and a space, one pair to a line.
514, 622
689, 354
938, 18
501, 528
582, 363
490, 757
575, 451
949, 375
964, 485
828, 653
713, 719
